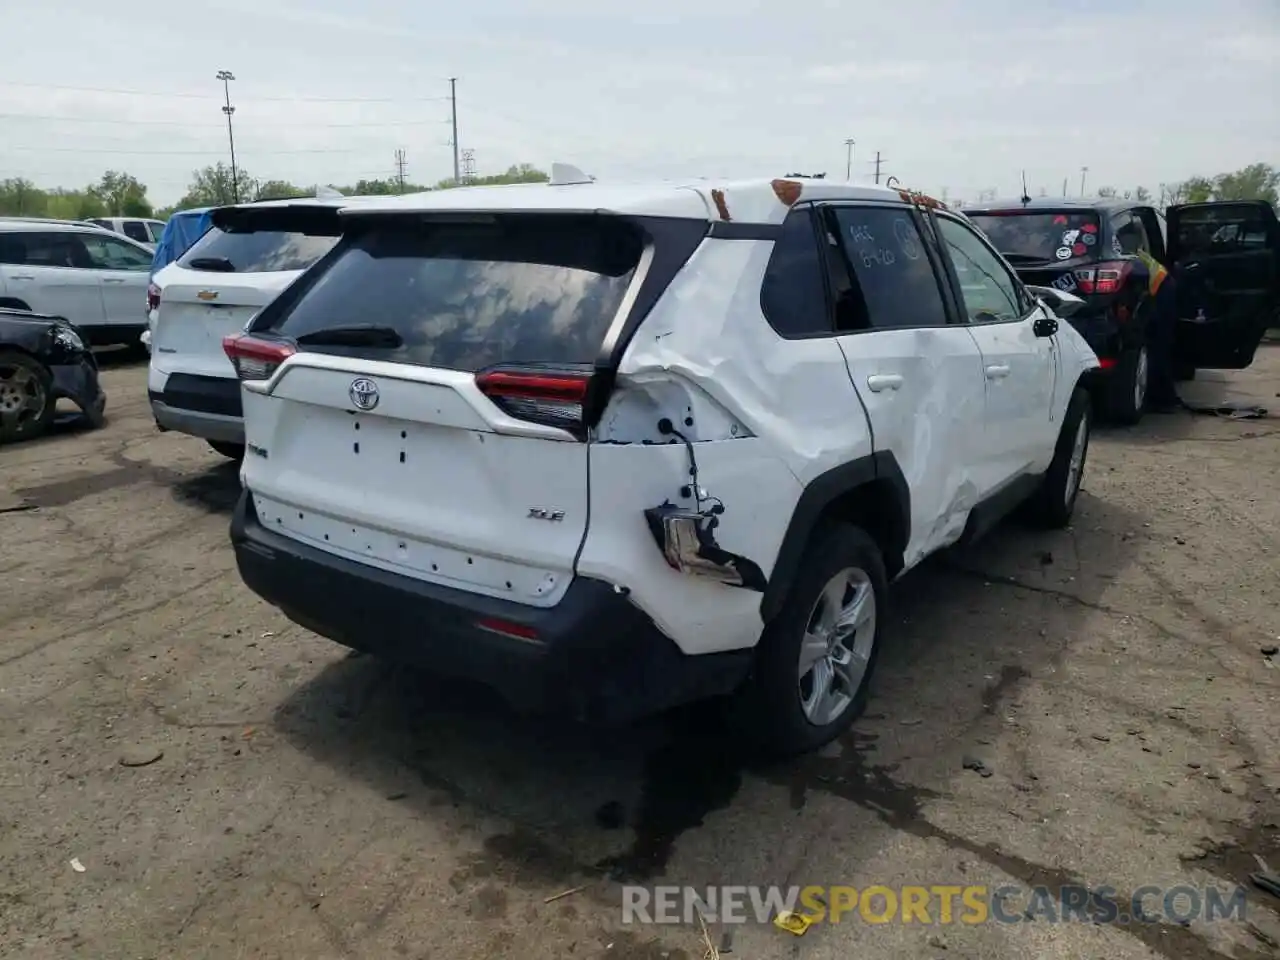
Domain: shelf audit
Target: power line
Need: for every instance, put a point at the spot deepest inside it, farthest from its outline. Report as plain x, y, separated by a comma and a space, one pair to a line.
172, 153
203, 96
188, 123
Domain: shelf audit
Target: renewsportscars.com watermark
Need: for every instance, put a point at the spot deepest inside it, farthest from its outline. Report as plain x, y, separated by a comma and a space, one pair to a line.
935, 904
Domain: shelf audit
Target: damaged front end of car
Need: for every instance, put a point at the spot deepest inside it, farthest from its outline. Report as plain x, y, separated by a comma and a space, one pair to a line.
62, 350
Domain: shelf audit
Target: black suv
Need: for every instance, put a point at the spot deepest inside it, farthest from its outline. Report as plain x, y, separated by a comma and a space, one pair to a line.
1224, 257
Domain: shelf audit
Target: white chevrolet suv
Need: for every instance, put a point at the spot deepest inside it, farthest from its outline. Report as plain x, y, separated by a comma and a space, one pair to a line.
610, 449
249, 254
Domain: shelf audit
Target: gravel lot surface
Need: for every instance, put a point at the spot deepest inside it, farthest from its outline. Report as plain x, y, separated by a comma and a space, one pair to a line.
234, 786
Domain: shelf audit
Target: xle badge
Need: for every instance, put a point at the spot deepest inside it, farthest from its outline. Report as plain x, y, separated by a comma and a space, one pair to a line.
537, 513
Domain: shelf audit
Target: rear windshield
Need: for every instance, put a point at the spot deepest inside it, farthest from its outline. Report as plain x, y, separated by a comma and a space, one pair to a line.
537, 289
1036, 237
263, 245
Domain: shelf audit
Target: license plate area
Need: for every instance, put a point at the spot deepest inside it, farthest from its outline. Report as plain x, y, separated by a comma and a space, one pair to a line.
408, 556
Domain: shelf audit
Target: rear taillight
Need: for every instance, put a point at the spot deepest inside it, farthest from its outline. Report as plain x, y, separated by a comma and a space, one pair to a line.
551, 398
255, 358
153, 297
1106, 277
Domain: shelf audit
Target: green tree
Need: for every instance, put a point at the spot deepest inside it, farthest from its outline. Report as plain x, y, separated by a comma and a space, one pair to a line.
121, 195
75, 205
280, 190
1142, 195
213, 187
1106, 191
1258, 181
517, 173
1197, 190
20, 197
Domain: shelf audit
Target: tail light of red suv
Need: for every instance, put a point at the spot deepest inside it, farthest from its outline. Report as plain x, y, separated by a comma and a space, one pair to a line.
1108, 276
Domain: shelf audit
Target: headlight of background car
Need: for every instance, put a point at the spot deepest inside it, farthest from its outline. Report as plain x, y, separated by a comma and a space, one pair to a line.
68, 339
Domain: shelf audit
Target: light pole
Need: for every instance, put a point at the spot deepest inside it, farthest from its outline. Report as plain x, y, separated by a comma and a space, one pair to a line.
226, 76
848, 162
1083, 172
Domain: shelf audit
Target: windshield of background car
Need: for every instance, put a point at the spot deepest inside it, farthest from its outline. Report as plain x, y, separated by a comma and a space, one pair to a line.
263, 244
1038, 237
524, 288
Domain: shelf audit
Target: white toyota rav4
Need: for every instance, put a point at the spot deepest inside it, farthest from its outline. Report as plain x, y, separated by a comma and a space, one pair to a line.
610, 449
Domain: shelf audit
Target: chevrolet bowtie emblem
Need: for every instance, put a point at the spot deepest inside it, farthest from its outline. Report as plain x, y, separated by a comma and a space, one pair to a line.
208, 294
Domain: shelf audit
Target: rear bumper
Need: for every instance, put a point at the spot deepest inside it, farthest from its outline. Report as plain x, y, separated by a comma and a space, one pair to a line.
594, 655
205, 407
206, 426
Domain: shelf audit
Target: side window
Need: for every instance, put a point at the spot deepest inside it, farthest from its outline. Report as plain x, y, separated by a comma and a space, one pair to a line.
136, 230
107, 253
55, 250
793, 296
1130, 234
157, 228
12, 249
891, 280
990, 292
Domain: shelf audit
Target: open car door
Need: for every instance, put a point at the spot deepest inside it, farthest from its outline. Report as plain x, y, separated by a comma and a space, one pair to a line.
1226, 257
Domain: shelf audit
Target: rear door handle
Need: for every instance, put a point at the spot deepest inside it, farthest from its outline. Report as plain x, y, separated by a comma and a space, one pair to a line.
22, 276
113, 280
883, 381
997, 371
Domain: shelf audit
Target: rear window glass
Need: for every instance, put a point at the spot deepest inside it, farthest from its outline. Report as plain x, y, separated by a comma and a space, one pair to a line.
465, 296
1037, 237
263, 246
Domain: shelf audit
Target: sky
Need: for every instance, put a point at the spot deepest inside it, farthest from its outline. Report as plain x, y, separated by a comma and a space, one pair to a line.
957, 97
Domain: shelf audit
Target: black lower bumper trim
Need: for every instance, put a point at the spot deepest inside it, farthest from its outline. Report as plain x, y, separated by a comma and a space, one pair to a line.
188, 391
594, 655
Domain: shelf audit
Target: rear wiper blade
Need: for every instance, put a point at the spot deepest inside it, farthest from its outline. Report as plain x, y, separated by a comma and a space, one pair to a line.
219, 264
356, 335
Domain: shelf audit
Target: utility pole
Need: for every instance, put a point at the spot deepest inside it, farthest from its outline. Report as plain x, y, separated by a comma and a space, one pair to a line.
848, 163
1064, 187
878, 161
400, 162
226, 76
1083, 171
468, 166
453, 103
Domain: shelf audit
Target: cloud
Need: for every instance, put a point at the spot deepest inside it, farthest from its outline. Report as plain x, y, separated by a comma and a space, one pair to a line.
963, 95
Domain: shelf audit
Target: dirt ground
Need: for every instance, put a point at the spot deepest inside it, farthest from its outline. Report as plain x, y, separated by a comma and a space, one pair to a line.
234, 786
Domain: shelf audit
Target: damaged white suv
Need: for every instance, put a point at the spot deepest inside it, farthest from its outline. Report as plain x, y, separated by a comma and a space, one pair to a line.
611, 449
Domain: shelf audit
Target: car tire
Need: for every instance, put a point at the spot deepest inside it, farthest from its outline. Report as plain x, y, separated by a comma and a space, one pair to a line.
27, 403
781, 705
1128, 387
232, 451
1055, 501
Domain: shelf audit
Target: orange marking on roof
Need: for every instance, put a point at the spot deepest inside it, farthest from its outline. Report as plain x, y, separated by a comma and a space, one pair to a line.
722, 208
788, 191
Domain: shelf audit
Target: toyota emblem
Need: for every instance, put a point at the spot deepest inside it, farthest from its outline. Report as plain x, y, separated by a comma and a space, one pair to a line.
363, 393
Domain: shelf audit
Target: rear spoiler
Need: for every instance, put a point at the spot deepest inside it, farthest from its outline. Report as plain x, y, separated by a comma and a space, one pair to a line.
306, 216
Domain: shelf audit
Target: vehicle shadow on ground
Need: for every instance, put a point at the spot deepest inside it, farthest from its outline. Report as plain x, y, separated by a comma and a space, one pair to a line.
969, 626
216, 490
